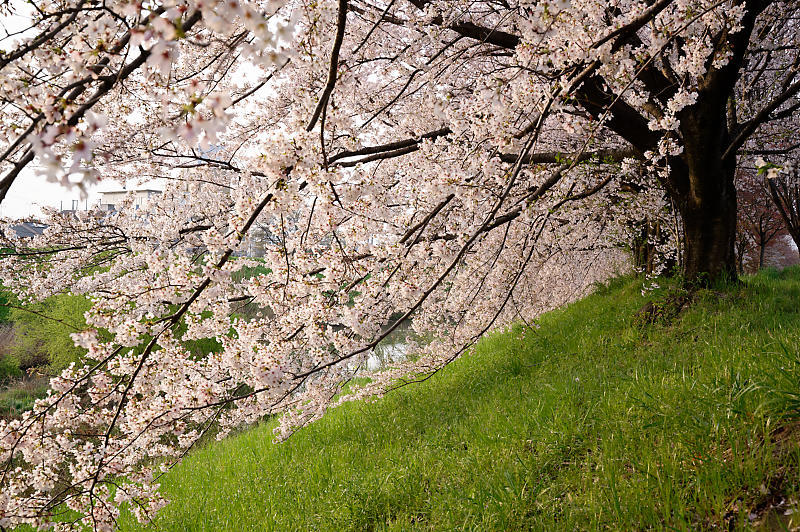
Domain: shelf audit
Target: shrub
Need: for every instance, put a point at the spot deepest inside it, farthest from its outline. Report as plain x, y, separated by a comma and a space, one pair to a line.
42, 332
9, 369
19, 397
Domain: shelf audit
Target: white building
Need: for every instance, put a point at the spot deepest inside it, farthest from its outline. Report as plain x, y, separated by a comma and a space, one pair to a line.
141, 197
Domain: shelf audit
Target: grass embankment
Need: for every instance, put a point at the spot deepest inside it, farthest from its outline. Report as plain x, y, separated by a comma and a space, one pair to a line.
591, 421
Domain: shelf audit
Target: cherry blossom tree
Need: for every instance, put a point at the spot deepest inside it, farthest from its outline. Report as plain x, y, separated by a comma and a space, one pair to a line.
760, 221
452, 165
784, 189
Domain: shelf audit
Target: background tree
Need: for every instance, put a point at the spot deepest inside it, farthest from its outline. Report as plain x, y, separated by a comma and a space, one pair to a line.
784, 188
759, 220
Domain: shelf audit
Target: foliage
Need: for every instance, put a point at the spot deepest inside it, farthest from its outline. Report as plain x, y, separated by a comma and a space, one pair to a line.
248, 272
9, 365
42, 332
586, 422
4, 310
18, 396
9, 369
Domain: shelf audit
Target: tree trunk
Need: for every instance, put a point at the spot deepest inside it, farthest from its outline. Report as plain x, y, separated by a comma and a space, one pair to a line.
709, 229
702, 185
741, 251
643, 250
700, 182
762, 246
787, 199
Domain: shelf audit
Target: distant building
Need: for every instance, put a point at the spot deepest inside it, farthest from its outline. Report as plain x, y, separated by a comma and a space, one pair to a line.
75, 206
141, 198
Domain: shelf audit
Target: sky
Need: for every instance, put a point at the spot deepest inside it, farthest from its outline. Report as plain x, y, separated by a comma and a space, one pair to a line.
30, 192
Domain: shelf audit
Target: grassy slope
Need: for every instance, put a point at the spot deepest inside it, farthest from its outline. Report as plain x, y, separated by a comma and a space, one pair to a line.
588, 422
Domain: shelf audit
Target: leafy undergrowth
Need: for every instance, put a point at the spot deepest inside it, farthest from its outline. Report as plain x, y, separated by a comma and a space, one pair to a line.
19, 395
591, 421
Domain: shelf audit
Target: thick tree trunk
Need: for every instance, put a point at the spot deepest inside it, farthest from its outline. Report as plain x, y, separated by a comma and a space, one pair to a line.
703, 188
709, 228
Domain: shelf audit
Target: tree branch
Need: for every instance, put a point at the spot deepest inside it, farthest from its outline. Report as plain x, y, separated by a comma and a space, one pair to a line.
334, 65
389, 147
603, 156
751, 125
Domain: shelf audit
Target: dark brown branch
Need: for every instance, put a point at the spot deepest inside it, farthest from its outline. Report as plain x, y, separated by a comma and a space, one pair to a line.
773, 151
108, 82
333, 67
488, 35
41, 39
388, 147
751, 125
380, 156
428, 218
586, 193
194, 229
602, 156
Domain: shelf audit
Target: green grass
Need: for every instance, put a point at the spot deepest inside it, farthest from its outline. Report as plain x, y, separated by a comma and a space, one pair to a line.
592, 421
19, 396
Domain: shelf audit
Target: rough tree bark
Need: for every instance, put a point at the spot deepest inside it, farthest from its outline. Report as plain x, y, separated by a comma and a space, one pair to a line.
709, 228
702, 185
